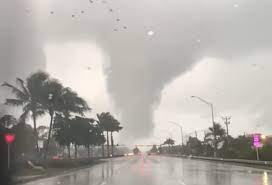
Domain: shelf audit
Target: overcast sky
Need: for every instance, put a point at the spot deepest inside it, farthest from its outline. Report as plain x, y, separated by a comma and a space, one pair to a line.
142, 60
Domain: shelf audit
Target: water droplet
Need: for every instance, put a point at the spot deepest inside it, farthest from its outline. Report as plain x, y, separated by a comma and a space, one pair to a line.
150, 33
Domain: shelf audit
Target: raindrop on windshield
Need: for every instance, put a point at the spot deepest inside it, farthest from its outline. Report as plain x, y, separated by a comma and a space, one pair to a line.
150, 33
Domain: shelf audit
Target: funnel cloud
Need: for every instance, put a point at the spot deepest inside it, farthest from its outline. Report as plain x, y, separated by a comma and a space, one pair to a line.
140, 65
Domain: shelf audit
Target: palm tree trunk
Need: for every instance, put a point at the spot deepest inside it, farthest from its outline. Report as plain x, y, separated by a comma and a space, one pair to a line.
108, 144
103, 147
103, 150
49, 134
75, 151
88, 147
112, 145
35, 130
69, 151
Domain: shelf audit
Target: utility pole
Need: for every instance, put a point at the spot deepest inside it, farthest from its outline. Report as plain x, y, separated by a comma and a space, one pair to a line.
196, 134
181, 132
204, 132
213, 122
226, 120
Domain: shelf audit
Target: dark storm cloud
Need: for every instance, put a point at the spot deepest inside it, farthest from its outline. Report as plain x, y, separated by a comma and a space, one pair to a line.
183, 33
20, 51
140, 65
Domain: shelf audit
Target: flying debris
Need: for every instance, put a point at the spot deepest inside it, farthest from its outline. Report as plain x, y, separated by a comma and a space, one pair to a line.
110, 9
104, 2
115, 30
73, 15
88, 68
117, 20
91, 1
82, 11
52, 12
125, 27
150, 33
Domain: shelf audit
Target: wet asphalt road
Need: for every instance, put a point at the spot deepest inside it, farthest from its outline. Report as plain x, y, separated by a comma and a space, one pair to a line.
156, 170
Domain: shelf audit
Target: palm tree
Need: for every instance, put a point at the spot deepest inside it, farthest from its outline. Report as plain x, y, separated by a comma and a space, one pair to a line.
218, 131
64, 101
27, 95
115, 127
62, 132
170, 142
72, 103
105, 120
51, 101
8, 121
101, 128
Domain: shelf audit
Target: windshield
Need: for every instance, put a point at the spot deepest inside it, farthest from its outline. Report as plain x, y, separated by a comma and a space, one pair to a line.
135, 92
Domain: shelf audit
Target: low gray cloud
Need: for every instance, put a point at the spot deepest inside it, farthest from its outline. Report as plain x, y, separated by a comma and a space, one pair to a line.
140, 66
20, 50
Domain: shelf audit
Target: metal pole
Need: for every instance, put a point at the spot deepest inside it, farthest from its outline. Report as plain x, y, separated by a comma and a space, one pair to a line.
227, 129
181, 132
213, 123
8, 156
227, 122
214, 140
257, 153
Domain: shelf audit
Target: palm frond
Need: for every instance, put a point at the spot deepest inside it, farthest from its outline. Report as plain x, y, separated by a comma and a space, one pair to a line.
22, 84
24, 116
19, 93
40, 112
14, 102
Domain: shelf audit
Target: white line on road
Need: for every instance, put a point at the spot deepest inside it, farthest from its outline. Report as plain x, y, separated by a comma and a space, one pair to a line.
181, 182
103, 183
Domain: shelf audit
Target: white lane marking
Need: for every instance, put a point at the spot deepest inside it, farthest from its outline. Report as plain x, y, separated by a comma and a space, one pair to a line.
103, 183
181, 182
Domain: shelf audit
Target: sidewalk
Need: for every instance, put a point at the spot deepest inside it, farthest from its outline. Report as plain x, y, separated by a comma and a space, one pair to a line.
251, 163
51, 172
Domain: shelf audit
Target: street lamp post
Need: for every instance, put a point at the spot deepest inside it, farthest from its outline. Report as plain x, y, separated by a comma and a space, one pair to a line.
181, 132
213, 123
227, 122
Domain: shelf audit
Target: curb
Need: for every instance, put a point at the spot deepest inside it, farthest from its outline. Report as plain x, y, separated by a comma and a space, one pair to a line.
243, 162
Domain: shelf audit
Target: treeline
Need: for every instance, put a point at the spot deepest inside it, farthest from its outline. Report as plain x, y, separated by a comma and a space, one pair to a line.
240, 147
40, 94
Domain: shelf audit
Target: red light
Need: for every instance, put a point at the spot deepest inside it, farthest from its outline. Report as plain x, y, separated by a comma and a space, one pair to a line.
55, 158
9, 138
